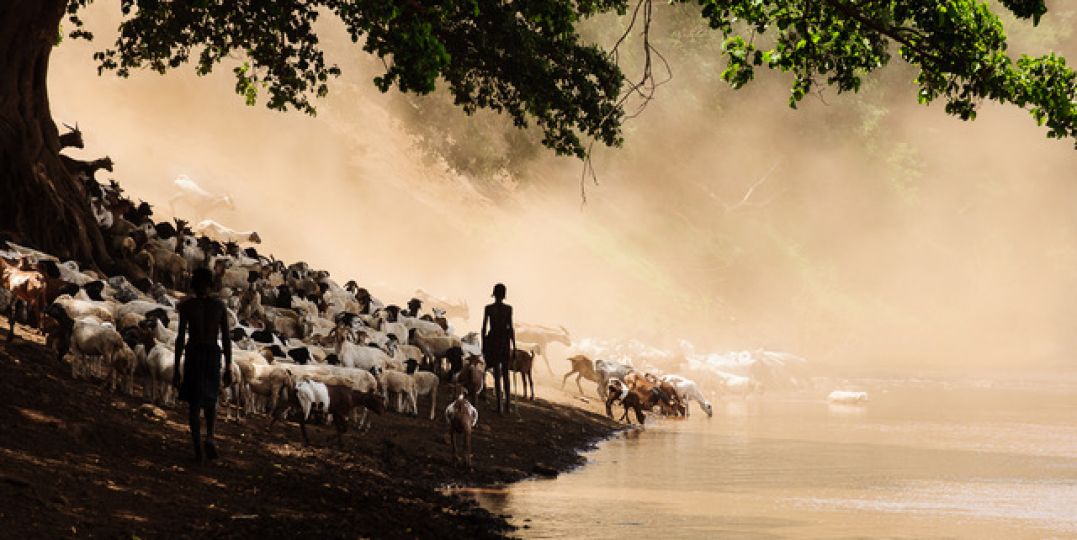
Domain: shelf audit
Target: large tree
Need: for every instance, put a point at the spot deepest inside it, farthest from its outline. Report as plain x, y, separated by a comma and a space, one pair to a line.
522, 58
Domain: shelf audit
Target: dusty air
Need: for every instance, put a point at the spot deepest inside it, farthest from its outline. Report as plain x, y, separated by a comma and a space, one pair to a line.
781, 269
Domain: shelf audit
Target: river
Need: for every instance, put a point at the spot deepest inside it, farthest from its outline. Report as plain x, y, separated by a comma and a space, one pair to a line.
971, 459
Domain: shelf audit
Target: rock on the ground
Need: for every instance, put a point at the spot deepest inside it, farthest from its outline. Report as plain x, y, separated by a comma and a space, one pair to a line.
152, 411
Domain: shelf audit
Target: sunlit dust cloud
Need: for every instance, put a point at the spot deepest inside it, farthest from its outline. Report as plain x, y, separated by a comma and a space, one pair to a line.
859, 231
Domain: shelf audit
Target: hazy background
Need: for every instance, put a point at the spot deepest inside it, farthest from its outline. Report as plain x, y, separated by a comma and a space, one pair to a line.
879, 234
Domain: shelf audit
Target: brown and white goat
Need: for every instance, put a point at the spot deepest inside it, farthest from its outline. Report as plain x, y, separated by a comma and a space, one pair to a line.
462, 417
28, 286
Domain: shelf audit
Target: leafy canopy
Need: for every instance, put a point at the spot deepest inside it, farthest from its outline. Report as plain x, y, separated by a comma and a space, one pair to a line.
525, 58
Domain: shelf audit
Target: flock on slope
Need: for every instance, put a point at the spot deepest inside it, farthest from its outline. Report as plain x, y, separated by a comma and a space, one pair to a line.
301, 341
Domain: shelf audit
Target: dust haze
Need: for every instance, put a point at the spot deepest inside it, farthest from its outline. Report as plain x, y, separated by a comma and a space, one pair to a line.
860, 231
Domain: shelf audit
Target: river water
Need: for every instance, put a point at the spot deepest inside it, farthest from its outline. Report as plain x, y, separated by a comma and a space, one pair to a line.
922, 459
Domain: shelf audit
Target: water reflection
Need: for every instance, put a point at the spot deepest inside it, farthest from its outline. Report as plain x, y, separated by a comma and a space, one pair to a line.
911, 463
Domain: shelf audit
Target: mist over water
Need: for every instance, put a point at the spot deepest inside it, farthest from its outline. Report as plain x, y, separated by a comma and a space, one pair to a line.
861, 232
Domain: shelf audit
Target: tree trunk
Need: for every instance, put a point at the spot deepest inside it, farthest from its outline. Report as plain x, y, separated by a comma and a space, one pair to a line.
41, 203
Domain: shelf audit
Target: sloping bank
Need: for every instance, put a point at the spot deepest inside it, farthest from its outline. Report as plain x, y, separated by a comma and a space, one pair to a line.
78, 461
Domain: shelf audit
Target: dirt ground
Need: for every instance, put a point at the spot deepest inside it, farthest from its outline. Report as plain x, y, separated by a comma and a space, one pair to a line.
79, 461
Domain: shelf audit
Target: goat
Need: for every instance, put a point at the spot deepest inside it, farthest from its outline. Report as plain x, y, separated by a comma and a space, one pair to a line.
262, 381
168, 264
434, 346
71, 139
426, 383
144, 260
542, 337
428, 328
618, 391
159, 361
197, 197
462, 417
87, 169
307, 397
360, 356
344, 399
451, 307
642, 397
403, 385
584, 368
687, 390
28, 286
77, 309
121, 370
521, 362
92, 338
215, 231
250, 304
473, 377
402, 354
675, 406
58, 337
607, 371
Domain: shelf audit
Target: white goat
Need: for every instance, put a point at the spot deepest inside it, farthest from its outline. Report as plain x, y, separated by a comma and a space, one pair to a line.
70, 272
79, 309
428, 328
687, 389
90, 337
197, 198
220, 233
159, 363
453, 307
403, 385
312, 395
427, 383
362, 357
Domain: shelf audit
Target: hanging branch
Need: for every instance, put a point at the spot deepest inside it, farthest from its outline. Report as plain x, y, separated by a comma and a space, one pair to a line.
644, 88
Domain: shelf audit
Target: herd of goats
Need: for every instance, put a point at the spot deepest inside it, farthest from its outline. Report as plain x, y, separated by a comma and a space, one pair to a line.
301, 341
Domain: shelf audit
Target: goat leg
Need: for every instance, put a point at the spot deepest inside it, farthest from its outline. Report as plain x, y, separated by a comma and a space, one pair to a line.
11, 322
452, 439
303, 429
341, 422
467, 448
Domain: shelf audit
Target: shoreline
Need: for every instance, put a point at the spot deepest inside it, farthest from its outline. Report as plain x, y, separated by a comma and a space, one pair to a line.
80, 461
